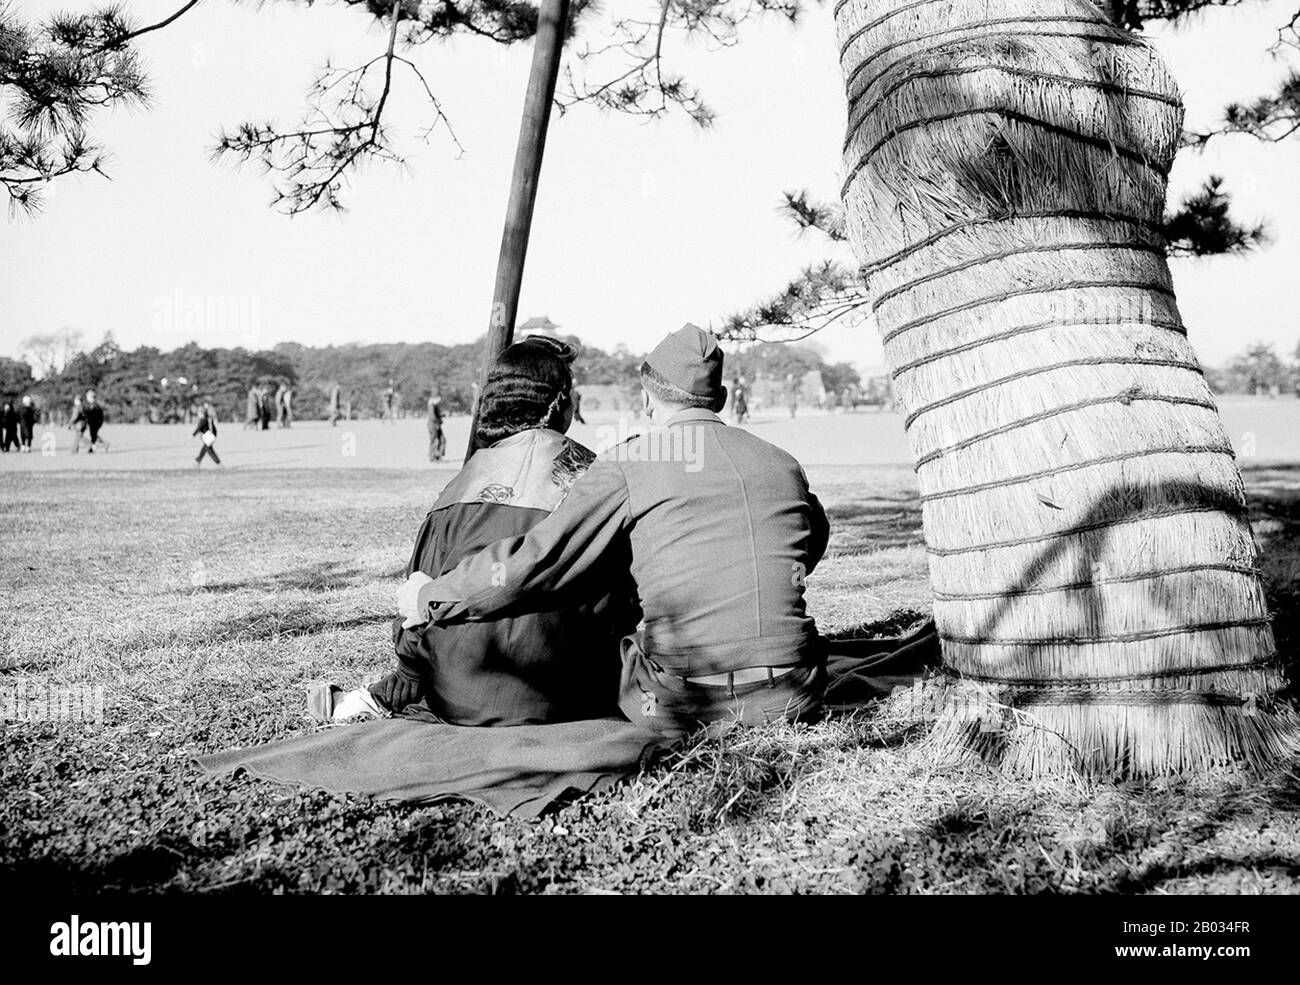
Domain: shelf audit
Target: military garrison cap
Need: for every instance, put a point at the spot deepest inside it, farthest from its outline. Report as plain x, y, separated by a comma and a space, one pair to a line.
689, 358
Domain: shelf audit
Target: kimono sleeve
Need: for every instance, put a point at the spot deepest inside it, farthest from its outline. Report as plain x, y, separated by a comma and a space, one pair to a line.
410, 645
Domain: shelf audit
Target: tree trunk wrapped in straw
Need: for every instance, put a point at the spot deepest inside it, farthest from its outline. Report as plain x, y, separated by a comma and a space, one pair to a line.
1093, 566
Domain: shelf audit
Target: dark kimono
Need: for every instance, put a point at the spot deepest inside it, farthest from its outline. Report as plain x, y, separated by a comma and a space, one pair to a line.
533, 667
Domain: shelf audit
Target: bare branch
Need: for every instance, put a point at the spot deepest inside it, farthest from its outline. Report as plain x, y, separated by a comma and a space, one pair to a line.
314, 160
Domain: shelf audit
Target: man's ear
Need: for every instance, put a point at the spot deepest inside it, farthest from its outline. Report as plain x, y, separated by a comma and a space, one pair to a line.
720, 402
645, 401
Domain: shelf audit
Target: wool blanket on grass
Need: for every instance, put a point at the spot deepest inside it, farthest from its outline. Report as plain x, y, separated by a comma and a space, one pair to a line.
863, 670
516, 771
520, 770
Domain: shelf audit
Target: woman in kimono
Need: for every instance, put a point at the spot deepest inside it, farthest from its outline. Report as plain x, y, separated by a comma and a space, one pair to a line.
526, 668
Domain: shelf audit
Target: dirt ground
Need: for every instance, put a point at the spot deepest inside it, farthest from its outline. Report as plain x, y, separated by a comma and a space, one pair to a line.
204, 602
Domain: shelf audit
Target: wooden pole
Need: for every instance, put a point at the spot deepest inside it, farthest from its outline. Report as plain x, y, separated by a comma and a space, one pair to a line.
548, 45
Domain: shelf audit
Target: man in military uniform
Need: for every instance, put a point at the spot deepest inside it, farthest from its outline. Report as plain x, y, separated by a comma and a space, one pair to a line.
719, 531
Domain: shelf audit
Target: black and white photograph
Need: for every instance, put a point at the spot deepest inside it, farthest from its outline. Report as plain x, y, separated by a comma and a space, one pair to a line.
650, 447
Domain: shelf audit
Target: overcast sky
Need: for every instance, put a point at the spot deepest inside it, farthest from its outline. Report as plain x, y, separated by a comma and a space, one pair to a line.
639, 226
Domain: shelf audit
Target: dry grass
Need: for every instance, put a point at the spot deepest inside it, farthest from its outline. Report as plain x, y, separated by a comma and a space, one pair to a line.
294, 575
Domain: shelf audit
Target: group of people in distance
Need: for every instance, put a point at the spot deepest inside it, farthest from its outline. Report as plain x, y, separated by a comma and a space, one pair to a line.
551, 584
18, 421
265, 404
18, 424
87, 422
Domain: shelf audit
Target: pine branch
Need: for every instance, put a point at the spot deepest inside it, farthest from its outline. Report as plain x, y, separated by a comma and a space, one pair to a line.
627, 91
52, 79
1271, 118
825, 217
818, 298
637, 82
78, 63
1134, 14
1202, 227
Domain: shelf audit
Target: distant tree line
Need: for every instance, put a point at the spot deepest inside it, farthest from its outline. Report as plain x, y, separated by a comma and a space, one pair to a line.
147, 384
1260, 371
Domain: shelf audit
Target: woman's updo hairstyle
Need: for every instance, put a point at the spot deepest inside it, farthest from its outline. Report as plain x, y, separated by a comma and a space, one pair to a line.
527, 387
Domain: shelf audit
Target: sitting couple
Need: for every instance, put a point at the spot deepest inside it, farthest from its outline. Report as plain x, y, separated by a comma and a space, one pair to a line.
550, 584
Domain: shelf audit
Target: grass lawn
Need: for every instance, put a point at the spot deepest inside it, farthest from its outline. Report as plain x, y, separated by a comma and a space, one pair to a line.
206, 602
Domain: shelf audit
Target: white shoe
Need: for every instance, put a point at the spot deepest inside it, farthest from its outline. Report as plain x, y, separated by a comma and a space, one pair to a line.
357, 704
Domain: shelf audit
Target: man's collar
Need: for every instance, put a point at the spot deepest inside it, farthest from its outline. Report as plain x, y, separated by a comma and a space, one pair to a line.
694, 414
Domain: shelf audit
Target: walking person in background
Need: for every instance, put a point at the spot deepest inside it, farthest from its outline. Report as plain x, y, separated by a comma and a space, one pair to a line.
334, 405
94, 415
78, 424
739, 400
206, 430
264, 406
9, 426
437, 440
792, 393
252, 409
28, 415
390, 402
282, 404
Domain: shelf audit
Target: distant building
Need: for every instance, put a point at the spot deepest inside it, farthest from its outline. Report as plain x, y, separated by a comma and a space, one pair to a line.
537, 326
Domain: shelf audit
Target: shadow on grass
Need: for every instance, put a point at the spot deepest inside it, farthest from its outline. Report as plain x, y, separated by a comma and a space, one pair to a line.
902, 622
145, 867
247, 865
1152, 877
264, 624
26, 666
735, 775
323, 576
1176, 825
151, 865
291, 620
1274, 498
1142, 839
861, 525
